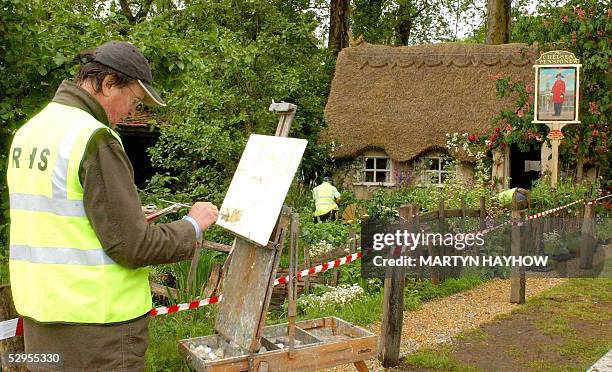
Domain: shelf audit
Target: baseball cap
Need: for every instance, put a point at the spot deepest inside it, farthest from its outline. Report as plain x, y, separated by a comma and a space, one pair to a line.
125, 58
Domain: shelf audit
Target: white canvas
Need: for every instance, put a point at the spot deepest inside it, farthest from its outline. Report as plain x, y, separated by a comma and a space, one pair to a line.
259, 187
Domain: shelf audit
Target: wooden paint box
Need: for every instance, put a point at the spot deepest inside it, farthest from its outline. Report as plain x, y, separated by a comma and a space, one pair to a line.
320, 343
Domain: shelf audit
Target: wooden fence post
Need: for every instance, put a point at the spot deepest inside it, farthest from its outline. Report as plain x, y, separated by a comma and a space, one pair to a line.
443, 251
419, 249
307, 265
14, 344
517, 275
393, 303
536, 228
483, 222
587, 235
292, 283
352, 241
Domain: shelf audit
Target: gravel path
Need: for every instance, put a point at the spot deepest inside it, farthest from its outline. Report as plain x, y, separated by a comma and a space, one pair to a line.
437, 321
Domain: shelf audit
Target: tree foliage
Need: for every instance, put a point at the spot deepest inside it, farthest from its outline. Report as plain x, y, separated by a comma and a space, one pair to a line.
38, 44
408, 22
218, 64
230, 65
583, 27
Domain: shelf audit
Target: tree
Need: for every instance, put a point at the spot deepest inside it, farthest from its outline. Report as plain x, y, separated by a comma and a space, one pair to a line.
405, 15
218, 65
225, 63
406, 22
338, 25
39, 41
368, 19
498, 22
140, 14
583, 27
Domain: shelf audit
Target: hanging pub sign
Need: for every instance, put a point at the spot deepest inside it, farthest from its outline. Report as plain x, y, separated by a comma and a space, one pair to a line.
557, 94
557, 85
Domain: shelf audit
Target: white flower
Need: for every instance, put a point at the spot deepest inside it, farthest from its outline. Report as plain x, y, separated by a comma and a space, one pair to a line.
340, 295
321, 248
551, 237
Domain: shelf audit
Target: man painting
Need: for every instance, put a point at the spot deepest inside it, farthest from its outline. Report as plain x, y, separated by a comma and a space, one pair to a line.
79, 244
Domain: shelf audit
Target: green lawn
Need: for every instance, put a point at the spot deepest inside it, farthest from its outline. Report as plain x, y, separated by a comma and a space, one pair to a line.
566, 328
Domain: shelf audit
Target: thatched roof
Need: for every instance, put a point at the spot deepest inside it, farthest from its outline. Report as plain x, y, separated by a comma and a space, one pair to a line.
405, 99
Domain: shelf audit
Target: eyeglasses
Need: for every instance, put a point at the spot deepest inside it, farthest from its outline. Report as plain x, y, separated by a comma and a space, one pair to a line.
137, 101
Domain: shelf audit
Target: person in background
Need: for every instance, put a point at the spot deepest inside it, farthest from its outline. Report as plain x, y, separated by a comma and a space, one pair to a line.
326, 197
79, 243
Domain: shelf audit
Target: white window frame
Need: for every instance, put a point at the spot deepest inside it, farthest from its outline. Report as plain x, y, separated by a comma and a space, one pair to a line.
426, 172
389, 171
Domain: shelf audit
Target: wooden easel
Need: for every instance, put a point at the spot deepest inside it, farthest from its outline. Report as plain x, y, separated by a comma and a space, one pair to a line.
251, 272
248, 285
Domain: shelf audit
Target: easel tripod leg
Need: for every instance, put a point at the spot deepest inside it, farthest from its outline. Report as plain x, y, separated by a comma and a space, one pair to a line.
361, 366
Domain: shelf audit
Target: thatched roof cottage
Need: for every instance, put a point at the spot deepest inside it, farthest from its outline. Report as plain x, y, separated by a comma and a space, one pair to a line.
390, 108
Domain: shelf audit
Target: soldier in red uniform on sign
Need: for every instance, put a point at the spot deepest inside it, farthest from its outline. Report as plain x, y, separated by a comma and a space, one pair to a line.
558, 94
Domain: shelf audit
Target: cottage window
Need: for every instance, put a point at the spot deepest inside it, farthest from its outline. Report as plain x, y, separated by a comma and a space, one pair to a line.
376, 169
435, 170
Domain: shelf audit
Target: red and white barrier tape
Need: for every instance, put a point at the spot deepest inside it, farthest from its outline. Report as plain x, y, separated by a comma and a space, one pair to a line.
14, 327
545, 213
598, 199
11, 328
321, 268
186, 306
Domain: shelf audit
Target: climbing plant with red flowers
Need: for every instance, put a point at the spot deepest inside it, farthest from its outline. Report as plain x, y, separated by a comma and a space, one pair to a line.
583, 27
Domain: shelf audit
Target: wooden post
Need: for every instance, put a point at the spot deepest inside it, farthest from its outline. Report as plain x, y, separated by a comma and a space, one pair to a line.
393, 303
536, 226
361, 366
517, 275
213, 281
292, 283
14, 344
419, 248
307, 264
462, 221
443, 271
335, 277
554, 177
527, 242
587, 238
483, 222
458, 269
555, 135
352, 242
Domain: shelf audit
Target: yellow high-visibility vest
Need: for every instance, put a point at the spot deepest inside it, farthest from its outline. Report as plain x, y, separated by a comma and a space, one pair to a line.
58, 269
325, 198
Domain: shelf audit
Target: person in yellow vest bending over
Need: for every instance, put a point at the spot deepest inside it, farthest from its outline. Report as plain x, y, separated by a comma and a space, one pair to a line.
79, 243
325, 196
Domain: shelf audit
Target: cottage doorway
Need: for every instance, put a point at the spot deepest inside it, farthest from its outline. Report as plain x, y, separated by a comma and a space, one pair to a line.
136, 141
525, 167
